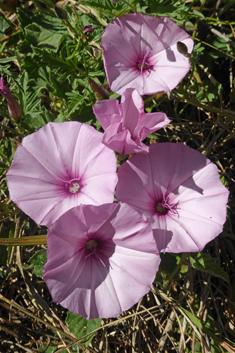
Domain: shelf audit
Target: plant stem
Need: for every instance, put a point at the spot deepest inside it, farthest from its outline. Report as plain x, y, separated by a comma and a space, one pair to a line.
178, 267
31, 240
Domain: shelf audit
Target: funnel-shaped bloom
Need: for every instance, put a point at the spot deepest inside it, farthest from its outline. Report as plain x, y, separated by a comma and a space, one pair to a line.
13, 106
58, 167
100, 259
141, 52
178, 190
126, 125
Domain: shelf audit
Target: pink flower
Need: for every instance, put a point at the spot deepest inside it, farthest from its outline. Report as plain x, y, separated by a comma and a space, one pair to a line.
100, 260
126, 125
179, 192
13, 106
58, 167
141, 52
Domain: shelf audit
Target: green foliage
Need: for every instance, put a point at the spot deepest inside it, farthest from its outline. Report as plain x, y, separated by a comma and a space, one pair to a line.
58, 60
166, 8
206, 263
45, 349
204, 327
38, 261
5, 233
4, 24
44, 32
80, 327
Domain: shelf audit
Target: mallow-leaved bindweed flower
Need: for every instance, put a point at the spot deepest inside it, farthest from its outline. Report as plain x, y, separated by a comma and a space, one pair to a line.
59, 167
140, 52
179, 192
101, 260
126, 125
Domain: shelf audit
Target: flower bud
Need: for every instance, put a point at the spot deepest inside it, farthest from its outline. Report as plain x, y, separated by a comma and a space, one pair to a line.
183, 49
61, 13
189, 26
13, 106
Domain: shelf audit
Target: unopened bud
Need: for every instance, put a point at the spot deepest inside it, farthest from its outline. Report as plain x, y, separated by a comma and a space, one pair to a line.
189, 26
14, 108
61, 13
183, 49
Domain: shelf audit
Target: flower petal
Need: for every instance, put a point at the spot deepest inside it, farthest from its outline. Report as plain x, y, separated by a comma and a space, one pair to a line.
149, 123
107, 112
114, 278
46, 162
121, 141
125, 131
187, 183
132, 106
135, 40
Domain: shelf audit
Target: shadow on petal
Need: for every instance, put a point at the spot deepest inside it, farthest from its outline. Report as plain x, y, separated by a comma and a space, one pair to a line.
163, 237
170, 55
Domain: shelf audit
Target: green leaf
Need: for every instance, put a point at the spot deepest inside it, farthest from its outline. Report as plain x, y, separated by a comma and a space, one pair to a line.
28, 101
25, 17
7, 60
36, 119
59, 88
80, 327
45, 32
76, 100
163, 10
3, 26
197, 322
213, 91
206, 263
216, 342
153, 136
198, 347
56, 60
7, 232
38, 261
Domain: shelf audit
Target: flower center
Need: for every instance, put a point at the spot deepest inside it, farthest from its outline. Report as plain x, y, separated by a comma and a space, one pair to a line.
161, 209
165, 205
91, 245
142, 67
72, 186
143, 64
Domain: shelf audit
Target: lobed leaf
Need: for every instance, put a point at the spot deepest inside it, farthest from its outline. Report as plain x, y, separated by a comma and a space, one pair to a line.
80, 327
38, 261
208, 264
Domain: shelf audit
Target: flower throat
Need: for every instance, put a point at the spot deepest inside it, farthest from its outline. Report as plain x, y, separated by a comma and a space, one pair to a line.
143, 64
